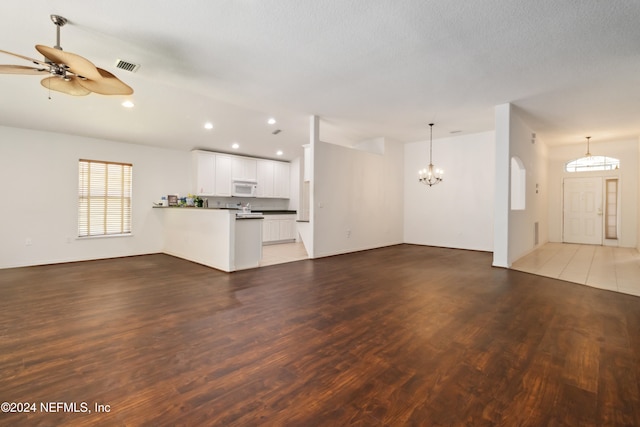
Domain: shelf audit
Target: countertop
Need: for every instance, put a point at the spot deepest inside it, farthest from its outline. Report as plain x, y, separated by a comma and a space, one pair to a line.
263, 211
276, 212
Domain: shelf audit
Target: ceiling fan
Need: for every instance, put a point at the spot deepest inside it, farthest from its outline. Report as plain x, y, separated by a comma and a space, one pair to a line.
70, 73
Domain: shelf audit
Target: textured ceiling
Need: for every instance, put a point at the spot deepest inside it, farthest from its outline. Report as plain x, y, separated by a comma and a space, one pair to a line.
369, 68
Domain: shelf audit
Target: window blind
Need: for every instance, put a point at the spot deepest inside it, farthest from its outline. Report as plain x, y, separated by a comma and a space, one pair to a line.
104, 198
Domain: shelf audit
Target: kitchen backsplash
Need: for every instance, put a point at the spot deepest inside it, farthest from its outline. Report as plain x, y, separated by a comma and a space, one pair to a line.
256, 203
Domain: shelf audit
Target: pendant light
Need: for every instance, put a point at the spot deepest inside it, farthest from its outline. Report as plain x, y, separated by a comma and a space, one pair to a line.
430, 175
588, 152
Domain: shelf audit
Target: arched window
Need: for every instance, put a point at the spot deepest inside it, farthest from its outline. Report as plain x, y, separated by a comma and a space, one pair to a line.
593, 163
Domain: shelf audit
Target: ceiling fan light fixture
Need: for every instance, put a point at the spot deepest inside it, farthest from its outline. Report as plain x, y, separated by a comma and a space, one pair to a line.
60, 21
75, 75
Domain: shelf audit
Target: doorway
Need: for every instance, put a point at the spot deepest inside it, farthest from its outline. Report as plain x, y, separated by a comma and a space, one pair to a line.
582, 211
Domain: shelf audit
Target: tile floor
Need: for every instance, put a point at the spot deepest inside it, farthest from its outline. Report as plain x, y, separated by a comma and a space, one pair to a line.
281, 253
604, 267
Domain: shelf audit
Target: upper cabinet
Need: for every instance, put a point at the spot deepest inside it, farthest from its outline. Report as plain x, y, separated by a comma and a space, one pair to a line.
204, 166
243, 168
281, 180
265, 178
213, 174
223, 175
273, 179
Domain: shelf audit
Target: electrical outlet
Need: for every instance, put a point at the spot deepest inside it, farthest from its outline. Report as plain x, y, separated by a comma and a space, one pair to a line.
348, 233
28, 241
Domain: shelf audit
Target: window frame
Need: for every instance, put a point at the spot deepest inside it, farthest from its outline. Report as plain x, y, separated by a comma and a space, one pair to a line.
109, 195
611, 208
592, 164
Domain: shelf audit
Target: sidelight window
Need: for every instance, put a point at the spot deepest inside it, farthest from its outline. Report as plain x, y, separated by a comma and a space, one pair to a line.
104, 198
611, 209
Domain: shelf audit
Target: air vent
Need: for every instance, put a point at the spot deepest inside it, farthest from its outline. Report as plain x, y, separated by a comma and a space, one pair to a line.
128, 66
277, 131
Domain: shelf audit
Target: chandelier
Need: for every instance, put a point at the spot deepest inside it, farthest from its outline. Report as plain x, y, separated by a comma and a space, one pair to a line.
430, 175
588, 152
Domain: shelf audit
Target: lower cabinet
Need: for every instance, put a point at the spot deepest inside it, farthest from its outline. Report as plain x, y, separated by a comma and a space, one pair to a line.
279, 228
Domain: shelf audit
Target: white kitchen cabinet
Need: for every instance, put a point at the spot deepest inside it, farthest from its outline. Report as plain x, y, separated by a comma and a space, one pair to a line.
204, 165
281, 180
273, 179
223, 175
213, 174
243, 168
279, 228
265, 178
288, 230
270, 229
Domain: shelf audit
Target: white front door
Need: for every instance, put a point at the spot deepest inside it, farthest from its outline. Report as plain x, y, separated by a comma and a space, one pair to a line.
582, 211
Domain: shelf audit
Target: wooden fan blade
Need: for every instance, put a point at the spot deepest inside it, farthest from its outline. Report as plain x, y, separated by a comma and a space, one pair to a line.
75, 63
70, 87
19, 69
108, 84
26, 58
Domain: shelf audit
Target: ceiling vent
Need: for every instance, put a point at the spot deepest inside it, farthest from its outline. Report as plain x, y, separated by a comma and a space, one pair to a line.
127, 66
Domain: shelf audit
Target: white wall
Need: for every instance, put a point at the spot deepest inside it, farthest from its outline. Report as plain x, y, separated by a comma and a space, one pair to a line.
533, 154
458, 212
514, 229
627, 150
205, 236
39, 184
501, 184
357, 199
295, 179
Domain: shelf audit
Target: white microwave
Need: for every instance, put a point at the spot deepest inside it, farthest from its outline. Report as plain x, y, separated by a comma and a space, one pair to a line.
244, 188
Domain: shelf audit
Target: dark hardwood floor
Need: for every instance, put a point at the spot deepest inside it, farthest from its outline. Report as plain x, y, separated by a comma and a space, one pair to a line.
404, 335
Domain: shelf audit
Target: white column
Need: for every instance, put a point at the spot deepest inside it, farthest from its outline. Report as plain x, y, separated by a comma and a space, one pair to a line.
501, 209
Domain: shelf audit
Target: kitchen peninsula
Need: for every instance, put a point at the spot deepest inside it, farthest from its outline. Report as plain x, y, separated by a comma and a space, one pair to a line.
213, 237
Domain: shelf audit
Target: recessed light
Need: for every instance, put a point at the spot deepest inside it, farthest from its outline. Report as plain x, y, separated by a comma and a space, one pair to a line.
235, 146
271, 121
128, 104
208, 125
279, 153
